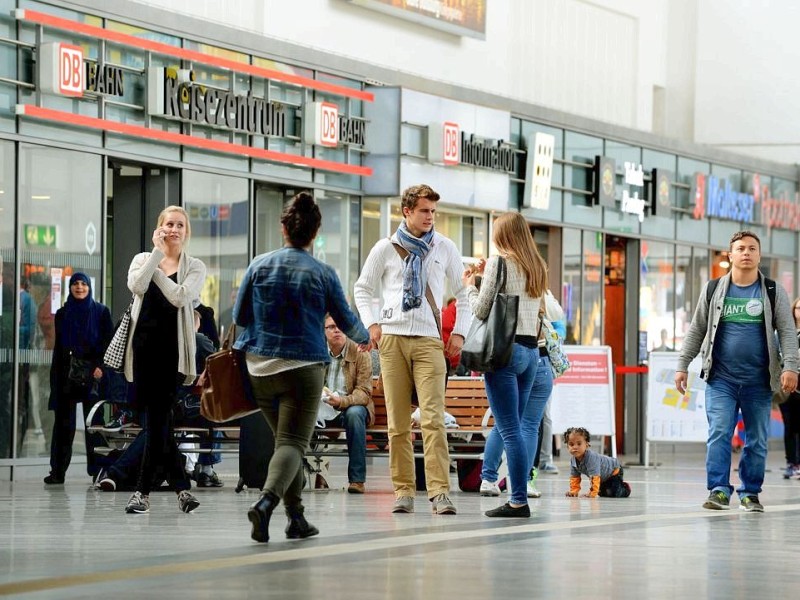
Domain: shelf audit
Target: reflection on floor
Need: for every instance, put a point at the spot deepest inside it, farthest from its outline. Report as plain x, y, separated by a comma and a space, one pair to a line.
74, 542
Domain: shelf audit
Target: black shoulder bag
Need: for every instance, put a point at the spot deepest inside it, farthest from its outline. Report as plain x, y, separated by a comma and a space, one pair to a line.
490, 341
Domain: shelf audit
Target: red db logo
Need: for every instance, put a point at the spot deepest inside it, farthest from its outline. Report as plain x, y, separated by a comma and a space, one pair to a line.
451, 143
328, 124
70, 70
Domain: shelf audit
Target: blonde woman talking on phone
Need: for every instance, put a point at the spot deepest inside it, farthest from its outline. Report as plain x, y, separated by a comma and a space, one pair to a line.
166, 283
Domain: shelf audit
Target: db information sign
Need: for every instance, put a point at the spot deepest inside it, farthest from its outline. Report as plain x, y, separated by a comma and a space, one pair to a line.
444, 143
451, 141
322, 124
62, 70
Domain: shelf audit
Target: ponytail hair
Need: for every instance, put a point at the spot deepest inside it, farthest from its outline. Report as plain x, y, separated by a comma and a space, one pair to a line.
301, 218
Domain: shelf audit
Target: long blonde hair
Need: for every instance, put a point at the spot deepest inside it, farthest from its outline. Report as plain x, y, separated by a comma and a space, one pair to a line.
162, 216
513, 238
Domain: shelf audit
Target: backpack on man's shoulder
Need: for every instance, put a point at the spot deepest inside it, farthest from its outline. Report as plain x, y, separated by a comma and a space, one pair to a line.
769, 283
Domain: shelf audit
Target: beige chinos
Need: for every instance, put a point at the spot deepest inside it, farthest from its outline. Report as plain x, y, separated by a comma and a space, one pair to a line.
409, 362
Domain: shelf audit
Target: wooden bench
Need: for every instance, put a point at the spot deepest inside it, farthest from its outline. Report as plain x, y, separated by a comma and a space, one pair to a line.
465, 400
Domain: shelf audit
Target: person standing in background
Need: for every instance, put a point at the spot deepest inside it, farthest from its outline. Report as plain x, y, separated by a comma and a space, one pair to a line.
790, 412
83, 329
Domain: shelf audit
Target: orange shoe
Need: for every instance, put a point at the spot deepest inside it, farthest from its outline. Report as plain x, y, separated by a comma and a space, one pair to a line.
355, 488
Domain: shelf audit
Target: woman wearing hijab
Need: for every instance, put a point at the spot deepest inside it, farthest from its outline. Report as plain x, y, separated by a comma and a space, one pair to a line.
83, 330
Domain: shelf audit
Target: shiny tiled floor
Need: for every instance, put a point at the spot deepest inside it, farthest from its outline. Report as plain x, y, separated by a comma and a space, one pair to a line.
74, 542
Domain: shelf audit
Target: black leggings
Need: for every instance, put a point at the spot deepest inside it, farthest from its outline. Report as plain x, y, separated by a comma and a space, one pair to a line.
156, 386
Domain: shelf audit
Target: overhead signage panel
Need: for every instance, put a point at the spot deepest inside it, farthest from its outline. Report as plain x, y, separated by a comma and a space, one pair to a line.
173, 93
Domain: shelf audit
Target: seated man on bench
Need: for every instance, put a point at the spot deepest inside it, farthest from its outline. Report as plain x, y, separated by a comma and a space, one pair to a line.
348, 390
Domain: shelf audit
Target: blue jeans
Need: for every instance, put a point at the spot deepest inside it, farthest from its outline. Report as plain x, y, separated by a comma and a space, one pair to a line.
724, 398
354, 421
517, 396
208, 459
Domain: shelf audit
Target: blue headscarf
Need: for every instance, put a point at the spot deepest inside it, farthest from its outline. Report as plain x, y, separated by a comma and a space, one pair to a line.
413, 277
80, 330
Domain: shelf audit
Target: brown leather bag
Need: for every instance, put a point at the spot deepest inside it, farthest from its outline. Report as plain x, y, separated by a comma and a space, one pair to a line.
225, 385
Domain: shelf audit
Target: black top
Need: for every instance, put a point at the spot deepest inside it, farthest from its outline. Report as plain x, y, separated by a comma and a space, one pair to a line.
157, 325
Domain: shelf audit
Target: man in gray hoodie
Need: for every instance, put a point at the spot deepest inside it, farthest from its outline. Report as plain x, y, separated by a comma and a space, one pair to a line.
746, 336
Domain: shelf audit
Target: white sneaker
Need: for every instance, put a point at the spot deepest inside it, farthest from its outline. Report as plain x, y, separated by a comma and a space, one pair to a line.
550, 469
489, 488
532, 491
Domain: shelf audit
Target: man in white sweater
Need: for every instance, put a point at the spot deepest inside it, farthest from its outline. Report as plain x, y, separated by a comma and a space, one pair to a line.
411, 269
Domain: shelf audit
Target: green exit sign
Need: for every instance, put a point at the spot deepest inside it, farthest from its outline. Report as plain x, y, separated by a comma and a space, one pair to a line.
40, 235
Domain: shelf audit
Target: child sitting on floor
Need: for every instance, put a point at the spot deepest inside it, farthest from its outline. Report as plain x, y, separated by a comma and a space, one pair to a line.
604, 472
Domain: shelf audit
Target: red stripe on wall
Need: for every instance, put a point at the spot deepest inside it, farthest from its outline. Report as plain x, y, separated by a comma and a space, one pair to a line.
58, 116
33, 16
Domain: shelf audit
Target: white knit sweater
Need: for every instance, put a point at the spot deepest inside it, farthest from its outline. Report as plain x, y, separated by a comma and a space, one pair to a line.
383, 270
183, 295
481, 301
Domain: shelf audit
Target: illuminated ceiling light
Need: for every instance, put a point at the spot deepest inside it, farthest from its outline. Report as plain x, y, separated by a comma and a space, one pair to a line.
40, 197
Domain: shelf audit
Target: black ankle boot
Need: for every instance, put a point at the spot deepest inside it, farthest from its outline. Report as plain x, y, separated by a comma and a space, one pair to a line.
54, 479
260, 514
298, 527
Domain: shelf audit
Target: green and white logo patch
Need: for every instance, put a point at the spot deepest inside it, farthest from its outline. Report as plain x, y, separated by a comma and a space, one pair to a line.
743, 310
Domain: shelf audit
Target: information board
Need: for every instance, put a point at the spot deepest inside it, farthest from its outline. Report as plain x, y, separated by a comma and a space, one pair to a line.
672, 417
584, 395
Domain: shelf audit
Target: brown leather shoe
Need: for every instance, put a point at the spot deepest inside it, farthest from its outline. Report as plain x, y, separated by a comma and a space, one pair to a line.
355, 488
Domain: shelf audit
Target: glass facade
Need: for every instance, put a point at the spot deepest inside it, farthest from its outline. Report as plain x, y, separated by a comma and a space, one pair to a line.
234, 202
218, 208
8, 278
60, 204
84, 210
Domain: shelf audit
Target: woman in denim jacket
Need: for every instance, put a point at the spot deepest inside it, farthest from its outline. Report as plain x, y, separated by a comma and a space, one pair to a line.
282, 303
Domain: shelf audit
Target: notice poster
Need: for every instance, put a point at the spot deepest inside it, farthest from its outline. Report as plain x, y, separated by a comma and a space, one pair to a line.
672, 417
584, 395
55, 289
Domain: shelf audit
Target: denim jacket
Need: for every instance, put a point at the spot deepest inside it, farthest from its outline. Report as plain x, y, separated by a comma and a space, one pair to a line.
282, 303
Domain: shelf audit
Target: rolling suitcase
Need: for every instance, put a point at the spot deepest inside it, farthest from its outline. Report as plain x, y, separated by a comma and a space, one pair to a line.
256, 445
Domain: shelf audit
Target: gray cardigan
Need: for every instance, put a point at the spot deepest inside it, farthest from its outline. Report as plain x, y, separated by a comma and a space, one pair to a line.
184, 295
700, 337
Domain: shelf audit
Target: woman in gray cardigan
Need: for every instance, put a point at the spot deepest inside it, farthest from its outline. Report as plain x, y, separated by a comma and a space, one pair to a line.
166, 284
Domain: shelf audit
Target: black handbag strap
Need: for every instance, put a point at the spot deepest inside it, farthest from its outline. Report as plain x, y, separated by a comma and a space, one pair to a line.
501, 273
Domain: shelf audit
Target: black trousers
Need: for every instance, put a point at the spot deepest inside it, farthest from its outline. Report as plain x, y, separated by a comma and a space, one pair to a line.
64, 425
156, 380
